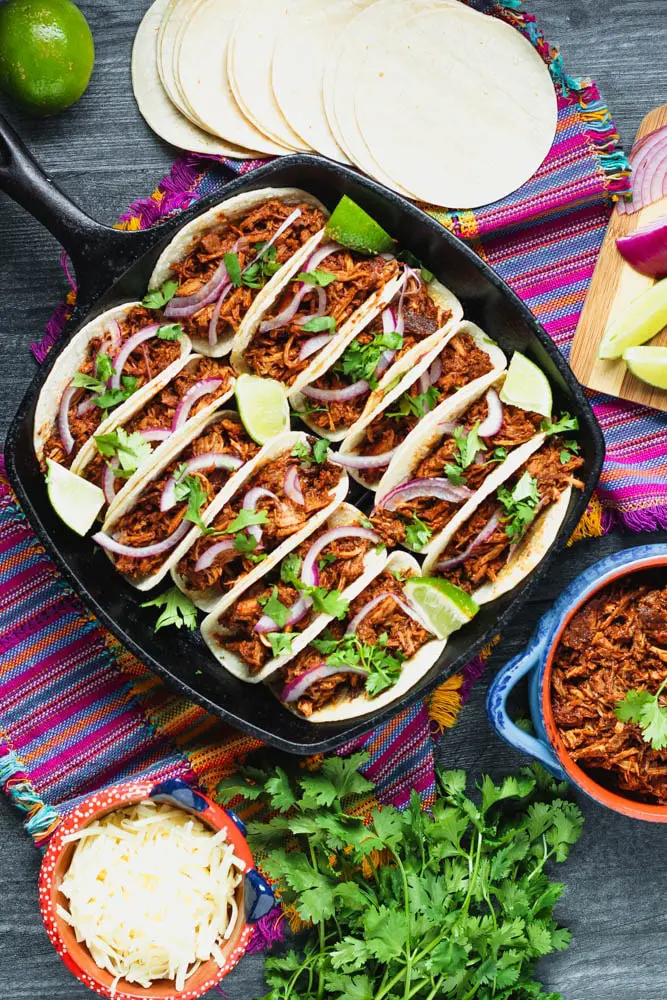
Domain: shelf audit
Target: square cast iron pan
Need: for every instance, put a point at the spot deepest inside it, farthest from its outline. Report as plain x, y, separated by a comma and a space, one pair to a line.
113, 267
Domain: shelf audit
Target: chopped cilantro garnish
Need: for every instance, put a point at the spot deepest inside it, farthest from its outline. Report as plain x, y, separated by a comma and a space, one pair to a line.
130, 449
417, 406
499, 455
319, 324
326, 602
245, 518
564, 423
158, 297
467, 446
280, 642
290, 569
233, 266
359, 361
519, 506
317, 453
97, 383
570, 448
275, 609
178, 609
645, 710
318, 278
326, 560
417, 534
170, 331
383, 668
190, 488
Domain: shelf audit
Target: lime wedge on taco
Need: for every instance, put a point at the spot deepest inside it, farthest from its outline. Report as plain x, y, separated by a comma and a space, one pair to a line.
263, 407
648, 364
355, 229
526, 386
445, 607
76, 501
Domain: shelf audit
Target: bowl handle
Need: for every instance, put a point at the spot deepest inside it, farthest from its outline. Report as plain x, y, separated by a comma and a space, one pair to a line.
496, 709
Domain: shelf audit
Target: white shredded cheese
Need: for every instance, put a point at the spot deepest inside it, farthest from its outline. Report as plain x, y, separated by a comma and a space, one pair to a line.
152, 893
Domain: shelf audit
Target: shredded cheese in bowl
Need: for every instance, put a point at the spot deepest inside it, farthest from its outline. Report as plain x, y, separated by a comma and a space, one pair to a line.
152, 893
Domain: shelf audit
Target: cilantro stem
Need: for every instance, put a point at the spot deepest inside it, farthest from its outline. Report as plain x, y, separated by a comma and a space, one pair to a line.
406, 907
320, 930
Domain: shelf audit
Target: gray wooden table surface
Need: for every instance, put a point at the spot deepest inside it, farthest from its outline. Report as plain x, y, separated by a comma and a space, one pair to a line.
104, 156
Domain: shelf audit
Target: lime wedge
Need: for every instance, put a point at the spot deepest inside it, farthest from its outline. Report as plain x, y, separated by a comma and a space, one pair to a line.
445, 607
354, 228
76, 501
262, 406
648, 364
641, 320
526, 386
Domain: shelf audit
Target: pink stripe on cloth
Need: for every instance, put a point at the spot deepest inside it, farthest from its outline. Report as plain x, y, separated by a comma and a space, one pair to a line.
112, 729
31, 729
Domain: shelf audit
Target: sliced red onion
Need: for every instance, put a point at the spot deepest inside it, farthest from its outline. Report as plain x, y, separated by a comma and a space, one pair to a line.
400, 319
386, 359
435, 370
115, 336
207, 559
298, 687
213, 325
373, 603
208, 460
282, 228
109, 543
250, 502
183, 306
411, 272
109, 480
292, 486
440, 489
362, 461
424, 382
314, 344
309, 570
388, 320
447, 428
130, 345
299, 609
85, 407
646, 248
155, 434
320, 254
287, 314
321, 307
361, 388
484, 534
494, 418
199, 389
64, 432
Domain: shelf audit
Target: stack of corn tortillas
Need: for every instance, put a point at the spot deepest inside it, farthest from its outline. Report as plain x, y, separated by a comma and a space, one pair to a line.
437, 101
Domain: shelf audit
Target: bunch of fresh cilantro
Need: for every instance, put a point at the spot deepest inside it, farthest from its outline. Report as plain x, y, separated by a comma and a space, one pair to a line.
453, 903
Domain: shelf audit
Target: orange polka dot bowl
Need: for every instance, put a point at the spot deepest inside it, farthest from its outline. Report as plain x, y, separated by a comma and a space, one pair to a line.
254, 897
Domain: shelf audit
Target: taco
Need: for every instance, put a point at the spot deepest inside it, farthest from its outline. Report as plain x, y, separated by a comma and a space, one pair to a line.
285, 494
307, 589
384, 349
227, 262
154, 519
106, 371
380, 650
488, 549
127, 446
297, 328
446, 459
454, 366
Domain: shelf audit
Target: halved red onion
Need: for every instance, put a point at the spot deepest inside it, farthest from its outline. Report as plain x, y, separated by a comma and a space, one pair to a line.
362, 461
183, 306
109, 480
213, 325
648, 159
646, 248
195, 392
435, 370
298, 611
64, 433
483, 535
208, 460
130, 345
292, 486
361, 388
314, 344
440, 489
321, 307
406, 608
494, 418
309, 570
145, 551
287, 314
208, 557
155, 434
298, 687
250, 503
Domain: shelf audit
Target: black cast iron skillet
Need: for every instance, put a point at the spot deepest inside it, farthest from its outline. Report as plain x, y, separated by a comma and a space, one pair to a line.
113, 267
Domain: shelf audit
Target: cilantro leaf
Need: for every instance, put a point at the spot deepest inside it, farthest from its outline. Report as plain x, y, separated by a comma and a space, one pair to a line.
564, 423
520, 505
275, 609
158, 297
328, 602
178, 610
244, 519
170, 331
326, 560
317, 453
417, 406
468, 444
645, 710
245, 545
417, 534
233, 266
321, 451
190, 488
319, 278
280, 642
130, 449
359, 361
319, 324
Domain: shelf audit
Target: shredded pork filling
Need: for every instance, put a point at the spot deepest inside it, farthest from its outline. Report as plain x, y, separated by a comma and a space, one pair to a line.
275, 353
404, 636
146, 524
284, 519
143, 364
462, 362
239, 620
615, 644
208, 252
422, 318
489, 557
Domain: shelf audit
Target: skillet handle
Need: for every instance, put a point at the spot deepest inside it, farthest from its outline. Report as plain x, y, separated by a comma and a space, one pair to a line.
98, 253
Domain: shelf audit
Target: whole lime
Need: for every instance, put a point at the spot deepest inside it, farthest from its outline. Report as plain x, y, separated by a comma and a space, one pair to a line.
46, 54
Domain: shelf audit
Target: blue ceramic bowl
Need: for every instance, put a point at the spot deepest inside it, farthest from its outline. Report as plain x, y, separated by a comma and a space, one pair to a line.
536, 661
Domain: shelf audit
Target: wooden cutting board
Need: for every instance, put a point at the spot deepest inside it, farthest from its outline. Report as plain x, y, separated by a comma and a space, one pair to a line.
615, 284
